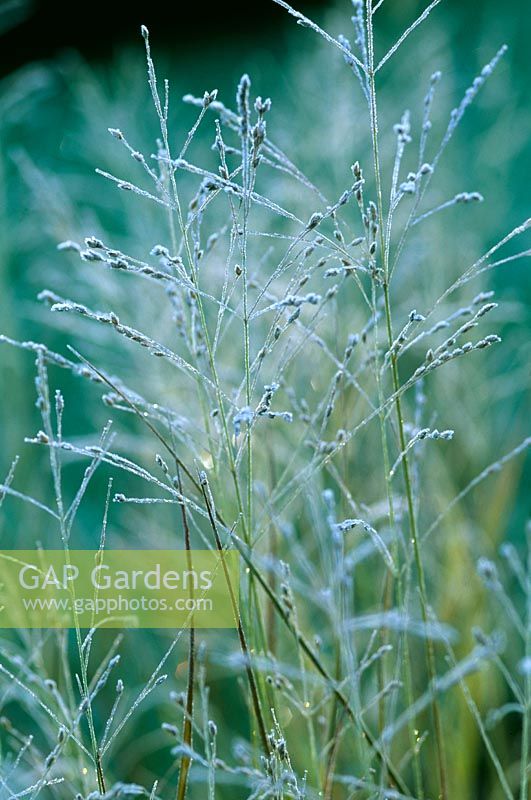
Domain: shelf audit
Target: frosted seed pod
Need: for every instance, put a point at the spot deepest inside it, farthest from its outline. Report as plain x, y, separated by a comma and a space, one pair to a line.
314, 220
171, 729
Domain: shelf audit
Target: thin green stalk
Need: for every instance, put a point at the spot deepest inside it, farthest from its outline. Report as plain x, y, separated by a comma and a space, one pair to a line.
333, 739
430, 650
247, 181
84, 680
253, 686
389, 581
387, 602
246, 186
308, 716
430, 653
328, 782
201, 392
186, 761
